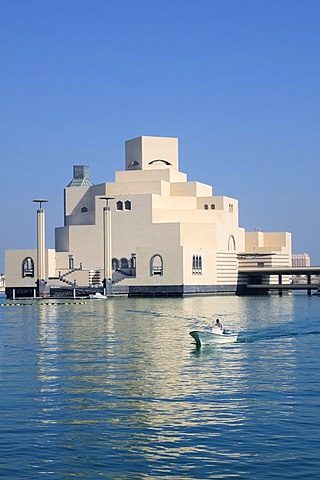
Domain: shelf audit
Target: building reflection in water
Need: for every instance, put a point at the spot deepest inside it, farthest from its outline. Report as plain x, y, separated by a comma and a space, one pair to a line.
126, 370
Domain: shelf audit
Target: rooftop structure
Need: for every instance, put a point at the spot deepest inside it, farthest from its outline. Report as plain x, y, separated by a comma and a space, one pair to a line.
80, 177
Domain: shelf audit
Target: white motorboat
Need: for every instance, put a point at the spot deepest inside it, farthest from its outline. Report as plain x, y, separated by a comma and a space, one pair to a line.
97, 296
216, 336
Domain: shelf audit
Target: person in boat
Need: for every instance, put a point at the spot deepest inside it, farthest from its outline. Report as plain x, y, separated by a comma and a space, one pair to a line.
218, 326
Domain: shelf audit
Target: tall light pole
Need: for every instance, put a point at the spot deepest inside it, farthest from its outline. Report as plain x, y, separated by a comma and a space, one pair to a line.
107, 259
41, 259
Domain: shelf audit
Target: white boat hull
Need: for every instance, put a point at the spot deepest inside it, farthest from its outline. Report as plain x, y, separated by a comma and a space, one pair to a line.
97, 296
209, 338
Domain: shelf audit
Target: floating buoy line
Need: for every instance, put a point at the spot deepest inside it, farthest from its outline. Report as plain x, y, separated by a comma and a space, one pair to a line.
41, 303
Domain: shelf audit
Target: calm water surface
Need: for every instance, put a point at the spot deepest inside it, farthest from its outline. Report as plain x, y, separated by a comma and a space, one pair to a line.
115, 389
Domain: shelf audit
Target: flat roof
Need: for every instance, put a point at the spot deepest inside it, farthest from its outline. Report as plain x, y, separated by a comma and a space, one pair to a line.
282, 270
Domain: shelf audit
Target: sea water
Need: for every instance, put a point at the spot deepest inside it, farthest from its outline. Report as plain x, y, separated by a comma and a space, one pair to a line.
117, 390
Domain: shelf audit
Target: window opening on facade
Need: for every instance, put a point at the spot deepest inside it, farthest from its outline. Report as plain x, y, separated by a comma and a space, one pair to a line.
71, 262
230, 208
124, 263
125, 266
115, 264
213, 207
133, 260
28, 267
84, 209
231, 243
127, 205
160, 160
134, 163
197, 264
119, 205
156, 265
205, 206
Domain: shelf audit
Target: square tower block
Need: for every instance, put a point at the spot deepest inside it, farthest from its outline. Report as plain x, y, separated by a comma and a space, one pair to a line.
152, 153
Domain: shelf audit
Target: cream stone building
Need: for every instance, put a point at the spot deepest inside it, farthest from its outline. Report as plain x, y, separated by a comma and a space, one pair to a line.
301, 260
168, 236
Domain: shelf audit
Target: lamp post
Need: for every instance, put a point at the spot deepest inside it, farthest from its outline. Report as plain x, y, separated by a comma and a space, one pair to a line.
41, 260
107, 259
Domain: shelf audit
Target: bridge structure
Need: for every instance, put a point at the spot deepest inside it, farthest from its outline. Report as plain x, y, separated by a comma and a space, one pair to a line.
263, 279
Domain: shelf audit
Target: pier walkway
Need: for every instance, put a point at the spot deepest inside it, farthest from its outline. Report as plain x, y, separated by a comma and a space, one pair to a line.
258, 278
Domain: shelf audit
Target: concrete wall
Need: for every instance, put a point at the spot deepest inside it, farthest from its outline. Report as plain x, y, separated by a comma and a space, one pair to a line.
14, 271
268, 241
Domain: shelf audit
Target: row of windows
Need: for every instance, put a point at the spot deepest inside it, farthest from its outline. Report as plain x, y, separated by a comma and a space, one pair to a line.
213, 207
156, 262
119, 205
127, 206
123, 263
123, 205
134, 163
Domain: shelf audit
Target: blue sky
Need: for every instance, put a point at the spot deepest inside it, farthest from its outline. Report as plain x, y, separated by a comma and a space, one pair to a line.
237, 81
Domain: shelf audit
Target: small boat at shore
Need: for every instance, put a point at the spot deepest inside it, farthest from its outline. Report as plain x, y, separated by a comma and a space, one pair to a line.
214, 337
97, 296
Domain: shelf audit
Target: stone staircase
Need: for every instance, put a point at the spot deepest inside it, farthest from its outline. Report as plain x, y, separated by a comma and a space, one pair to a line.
93, 283
118, 276
63, 277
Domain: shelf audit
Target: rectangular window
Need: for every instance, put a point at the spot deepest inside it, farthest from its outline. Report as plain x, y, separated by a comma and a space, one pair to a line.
197, 265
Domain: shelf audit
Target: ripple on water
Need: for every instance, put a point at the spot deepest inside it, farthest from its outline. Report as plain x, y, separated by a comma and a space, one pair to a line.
117, 390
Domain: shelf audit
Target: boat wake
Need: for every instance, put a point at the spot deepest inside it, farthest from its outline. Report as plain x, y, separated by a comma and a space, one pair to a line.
147, 312
250, 337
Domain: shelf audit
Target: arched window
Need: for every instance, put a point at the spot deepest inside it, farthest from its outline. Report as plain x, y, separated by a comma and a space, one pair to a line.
84, 209
156, 265
231, 243
115, 264
160, 160
134, 163
205, 206
127, 205
213, 207
124, 263
28, 267
119, 205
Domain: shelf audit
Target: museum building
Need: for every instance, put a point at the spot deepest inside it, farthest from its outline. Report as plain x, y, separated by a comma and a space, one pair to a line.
164, 236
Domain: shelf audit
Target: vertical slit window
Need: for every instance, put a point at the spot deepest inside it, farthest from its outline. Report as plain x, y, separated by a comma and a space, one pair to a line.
197, 264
